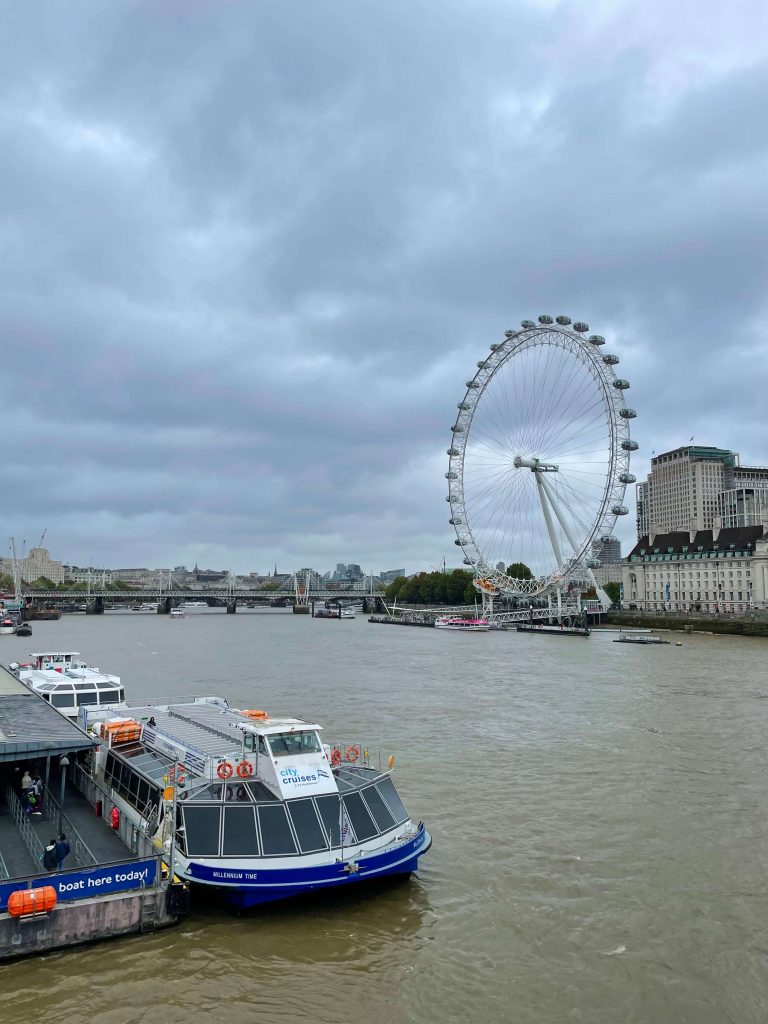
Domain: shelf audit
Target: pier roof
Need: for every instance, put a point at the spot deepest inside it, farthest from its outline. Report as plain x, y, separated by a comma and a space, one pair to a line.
30, 727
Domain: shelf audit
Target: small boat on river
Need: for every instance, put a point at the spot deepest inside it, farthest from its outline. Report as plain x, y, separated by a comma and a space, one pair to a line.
261, 809
177, 613
553, 630
628, 638
464, 625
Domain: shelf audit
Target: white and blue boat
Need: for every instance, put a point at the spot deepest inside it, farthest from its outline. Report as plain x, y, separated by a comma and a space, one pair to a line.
253, 807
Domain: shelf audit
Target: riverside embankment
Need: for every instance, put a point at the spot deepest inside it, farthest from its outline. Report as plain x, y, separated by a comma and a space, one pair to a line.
726, 624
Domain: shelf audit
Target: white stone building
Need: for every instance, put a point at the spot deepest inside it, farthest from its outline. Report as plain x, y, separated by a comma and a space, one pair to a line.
36, 564
717, 570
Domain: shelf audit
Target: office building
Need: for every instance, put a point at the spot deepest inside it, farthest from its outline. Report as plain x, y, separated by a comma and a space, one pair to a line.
690, 487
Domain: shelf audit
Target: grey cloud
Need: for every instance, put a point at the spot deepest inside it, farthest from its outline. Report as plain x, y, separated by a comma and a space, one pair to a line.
250, 255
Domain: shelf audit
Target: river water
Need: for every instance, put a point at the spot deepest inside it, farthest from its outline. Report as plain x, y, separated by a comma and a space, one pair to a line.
598, 813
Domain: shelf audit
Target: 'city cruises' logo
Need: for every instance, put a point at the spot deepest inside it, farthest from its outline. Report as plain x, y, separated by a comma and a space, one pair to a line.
294, 777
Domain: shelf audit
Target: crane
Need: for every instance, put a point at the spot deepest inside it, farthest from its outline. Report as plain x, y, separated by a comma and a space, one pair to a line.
42, 537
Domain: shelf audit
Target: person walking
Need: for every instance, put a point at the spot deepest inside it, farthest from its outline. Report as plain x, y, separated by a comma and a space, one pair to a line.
62, 850
50, 862
26, 783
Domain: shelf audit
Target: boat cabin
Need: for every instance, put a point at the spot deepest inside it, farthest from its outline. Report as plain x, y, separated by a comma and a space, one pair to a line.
63, 680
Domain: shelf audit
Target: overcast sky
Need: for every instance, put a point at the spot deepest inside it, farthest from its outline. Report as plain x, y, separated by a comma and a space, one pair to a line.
252, 250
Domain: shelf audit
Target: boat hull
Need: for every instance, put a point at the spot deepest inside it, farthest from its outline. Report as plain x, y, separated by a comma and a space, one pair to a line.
245, 889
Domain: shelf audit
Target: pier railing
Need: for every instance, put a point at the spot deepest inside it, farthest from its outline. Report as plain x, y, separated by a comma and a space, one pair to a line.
29, 836
81, 854
3, 869
131, 835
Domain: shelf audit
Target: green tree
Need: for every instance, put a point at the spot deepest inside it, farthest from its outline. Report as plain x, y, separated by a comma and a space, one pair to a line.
394, 588
613, 590
43, 583
519, 571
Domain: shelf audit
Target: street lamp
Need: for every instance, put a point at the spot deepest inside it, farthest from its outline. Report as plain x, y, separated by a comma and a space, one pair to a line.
63, 763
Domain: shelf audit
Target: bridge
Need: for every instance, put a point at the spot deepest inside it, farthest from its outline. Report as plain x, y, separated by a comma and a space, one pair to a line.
97, 600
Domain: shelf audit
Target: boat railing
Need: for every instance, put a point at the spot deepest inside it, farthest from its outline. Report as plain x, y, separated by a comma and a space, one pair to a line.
354, 754
3, 869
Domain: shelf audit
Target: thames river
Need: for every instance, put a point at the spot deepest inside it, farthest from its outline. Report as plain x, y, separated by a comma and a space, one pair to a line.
599, 815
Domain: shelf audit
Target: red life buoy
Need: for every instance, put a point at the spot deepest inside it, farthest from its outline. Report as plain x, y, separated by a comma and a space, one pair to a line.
224, 771
245, 769
336, 757
114, 818
353, 753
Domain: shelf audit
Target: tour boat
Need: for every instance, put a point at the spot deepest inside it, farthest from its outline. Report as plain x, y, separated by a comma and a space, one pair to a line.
7, 625
177, 613
466, 625
66, 682
347, 613
261, 808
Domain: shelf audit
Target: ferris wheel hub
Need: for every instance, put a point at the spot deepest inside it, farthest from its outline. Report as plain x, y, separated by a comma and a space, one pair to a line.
535, 465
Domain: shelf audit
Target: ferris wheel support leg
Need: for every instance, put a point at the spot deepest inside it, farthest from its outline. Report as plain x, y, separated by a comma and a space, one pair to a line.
543, 494
560, 517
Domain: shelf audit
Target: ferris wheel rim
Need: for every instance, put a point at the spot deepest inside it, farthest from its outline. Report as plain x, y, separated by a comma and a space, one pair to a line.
610, 387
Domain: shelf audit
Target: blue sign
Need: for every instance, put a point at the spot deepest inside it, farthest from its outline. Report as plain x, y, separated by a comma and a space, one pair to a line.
81, 885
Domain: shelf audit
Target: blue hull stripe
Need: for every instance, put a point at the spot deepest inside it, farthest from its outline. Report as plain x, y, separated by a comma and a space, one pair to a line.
245, 887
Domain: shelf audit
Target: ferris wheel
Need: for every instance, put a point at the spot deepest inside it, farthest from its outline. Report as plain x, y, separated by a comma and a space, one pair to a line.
539, 460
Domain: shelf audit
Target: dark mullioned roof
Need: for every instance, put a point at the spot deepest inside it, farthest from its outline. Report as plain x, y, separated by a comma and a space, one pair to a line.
738, 538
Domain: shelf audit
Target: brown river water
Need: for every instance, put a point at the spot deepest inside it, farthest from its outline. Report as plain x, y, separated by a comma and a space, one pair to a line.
598, 814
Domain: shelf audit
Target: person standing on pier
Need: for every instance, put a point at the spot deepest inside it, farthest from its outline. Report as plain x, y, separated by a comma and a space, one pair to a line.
50, 862
62, 850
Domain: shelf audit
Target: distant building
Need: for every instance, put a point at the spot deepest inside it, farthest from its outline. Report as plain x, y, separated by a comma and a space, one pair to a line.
390, 575
36, 564
354, 572
691, 486
608, 551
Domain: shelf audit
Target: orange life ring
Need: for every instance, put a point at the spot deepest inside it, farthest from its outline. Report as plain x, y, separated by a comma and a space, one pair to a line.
224, 771
336, 757
245, 769
352, 754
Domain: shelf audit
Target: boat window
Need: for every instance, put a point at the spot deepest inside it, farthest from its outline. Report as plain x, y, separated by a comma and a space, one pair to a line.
392, 799
88, 698
209, 793
276, 836
260, 792
379, 810
329, 813
202, 830
307, 827
292, 743
63, 700
240, 832
359, 816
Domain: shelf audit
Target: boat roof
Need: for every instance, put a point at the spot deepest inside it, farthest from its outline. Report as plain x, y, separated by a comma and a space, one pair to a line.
30, 727
54, 654
74, 680
211, 729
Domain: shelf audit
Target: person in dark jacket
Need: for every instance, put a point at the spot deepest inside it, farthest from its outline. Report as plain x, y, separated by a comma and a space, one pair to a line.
62, 850
50, 862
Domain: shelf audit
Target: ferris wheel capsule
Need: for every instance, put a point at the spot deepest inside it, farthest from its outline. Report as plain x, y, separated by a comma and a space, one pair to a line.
628, 414
563, 320
527, 324
628, 444
596, 339
545, 319
582, 328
